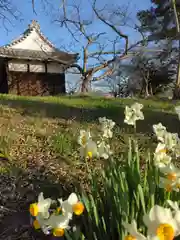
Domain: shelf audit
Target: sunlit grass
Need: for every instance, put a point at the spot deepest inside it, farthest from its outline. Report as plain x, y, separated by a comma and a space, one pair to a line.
45, 129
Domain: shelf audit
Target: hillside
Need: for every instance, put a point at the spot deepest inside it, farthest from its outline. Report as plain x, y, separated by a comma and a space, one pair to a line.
39, 137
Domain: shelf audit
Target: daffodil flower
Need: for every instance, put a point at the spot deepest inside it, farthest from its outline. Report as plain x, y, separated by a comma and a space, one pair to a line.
169, 185
106, 126
171, 140
134, 234
176, 150
176, 212
160, 131
89, 151
71, 205
161, 148
58, 224
104, 150
42, 206
133, 113
84, 137
42, 223
161, 159
160, 223
173, 205
171, 172
177, 110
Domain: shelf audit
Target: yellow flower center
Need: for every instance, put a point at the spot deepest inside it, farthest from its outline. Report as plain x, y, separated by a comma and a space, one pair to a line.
78, 208
165, 232
172, 176
163, 150
89, 155
58, 232
168, 188
57, 211
36, 224
129, 237
83, 140
33, 209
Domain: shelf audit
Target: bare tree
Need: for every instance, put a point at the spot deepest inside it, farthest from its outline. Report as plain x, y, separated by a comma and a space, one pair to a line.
96, 64
8, 13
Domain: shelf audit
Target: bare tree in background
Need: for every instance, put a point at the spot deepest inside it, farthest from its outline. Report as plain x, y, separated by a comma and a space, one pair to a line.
83, 32
8, 13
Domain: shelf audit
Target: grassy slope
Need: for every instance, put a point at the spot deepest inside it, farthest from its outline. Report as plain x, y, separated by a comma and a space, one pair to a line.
43, 131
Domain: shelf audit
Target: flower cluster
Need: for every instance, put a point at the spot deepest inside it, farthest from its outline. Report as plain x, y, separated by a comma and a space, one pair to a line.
54, 220
168, 148
101, 148
133, 113
162, 224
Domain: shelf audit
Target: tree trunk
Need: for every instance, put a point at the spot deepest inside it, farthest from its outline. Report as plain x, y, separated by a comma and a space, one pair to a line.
85, 84
176, 93
146, 88
150, 89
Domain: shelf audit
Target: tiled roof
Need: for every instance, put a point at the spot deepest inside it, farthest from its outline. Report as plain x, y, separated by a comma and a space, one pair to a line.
61, 57
33, 26
8, 52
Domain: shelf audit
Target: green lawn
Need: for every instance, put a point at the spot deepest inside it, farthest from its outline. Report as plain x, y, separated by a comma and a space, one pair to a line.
38, 129
42, 131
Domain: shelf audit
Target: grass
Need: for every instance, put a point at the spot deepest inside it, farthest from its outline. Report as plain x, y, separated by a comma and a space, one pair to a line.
39, 136
38, 130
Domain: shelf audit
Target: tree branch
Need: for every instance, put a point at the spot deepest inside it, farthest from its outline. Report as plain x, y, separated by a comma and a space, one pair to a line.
119, 32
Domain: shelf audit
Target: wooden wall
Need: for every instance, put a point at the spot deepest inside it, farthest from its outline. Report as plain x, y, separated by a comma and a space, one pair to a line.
34, 84
31, 78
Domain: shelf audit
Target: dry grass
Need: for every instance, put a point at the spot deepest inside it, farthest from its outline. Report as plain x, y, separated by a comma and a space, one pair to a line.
43, 131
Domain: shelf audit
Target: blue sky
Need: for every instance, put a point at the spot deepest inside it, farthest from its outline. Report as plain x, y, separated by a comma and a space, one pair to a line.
60, 36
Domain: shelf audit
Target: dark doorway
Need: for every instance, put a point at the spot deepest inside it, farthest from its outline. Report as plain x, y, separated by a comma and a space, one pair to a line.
3, 77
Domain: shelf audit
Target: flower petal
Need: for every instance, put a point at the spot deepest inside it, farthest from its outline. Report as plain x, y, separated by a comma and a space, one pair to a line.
72, 199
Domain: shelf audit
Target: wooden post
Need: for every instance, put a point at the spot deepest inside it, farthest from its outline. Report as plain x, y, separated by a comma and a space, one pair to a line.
45, 65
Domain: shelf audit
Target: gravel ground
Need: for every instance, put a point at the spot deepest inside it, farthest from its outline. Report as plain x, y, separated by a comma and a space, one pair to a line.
15, 196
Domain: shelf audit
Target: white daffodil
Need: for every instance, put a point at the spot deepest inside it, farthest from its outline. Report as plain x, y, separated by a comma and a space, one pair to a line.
160, 223
173, 205
106, 126
71, 205
176, 150
132, 230
134, 234
41, 223
106, 122
42, 206
161, 159
177, 110
160, 131
169, 185
133, 113
90, 150
107, 133
171, 172
104, 150
161, 148
84, 137
58, 224
176, 212
171, 140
